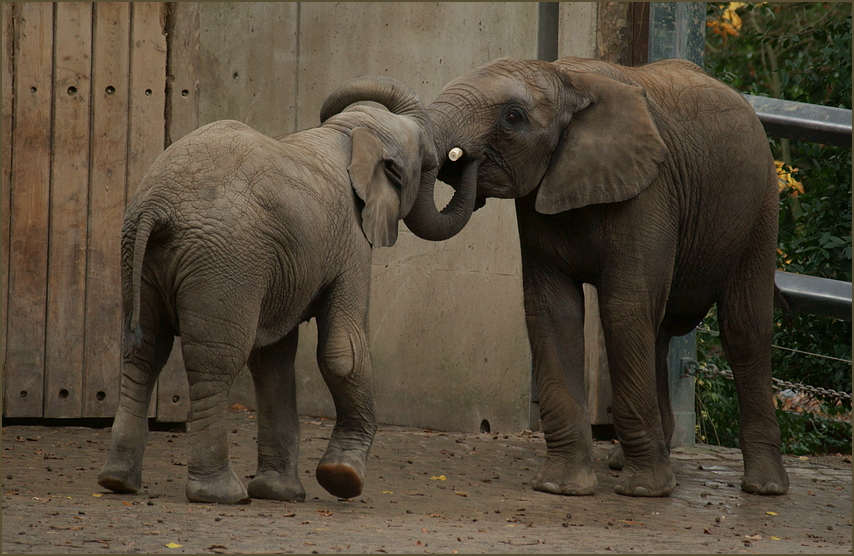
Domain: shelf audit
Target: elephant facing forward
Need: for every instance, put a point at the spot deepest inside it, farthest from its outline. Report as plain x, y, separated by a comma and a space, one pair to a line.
232, 240
655, 184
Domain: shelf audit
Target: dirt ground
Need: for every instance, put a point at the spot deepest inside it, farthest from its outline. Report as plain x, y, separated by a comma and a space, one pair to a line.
426, 492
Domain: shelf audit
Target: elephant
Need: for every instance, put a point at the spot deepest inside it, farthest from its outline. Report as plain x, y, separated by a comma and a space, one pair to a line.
232, 240
656, 185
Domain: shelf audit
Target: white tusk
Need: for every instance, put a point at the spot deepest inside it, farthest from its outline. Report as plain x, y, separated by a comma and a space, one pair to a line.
455, 154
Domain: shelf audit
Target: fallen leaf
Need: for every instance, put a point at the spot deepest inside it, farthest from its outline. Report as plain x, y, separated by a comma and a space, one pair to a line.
291, 514
439, 478
756, 537
173, 545
218, 548
706, 531
324, 513
775, 538
388, 492
460, 493
96, 495
423, 530
413, 493
437, 515
771, 513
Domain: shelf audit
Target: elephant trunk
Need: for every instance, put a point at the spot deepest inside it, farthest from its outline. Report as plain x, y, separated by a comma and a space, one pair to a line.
395, 95
425, 220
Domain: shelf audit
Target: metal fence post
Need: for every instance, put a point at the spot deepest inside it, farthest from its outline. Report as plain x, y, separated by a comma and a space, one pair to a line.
678, 30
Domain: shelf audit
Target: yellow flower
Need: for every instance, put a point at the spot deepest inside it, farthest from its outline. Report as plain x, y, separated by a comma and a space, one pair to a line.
786, 180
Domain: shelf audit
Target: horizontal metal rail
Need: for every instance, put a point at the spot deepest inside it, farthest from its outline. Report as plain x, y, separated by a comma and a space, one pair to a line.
815, 296
799, 120
817, 124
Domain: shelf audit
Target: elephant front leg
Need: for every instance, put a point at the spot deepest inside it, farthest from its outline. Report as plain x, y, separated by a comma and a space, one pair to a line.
342, 354
272, 370
555, 318
630, 342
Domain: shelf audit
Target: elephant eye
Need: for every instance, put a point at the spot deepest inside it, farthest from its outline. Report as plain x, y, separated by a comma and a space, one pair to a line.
513, 116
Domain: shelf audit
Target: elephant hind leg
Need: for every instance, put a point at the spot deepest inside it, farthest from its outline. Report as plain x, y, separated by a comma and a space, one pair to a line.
214, 350
345, 362
746, 328
142, 362
272, 370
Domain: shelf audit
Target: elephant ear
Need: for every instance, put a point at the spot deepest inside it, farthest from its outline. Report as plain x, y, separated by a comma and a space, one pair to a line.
610, 150
381, 174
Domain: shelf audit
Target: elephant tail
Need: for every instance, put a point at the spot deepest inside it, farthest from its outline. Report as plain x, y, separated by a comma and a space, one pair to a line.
145, 226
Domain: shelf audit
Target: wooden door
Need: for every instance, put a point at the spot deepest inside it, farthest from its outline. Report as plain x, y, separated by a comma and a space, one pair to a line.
84, 98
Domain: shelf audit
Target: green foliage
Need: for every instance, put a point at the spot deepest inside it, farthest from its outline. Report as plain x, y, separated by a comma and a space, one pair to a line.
796, 51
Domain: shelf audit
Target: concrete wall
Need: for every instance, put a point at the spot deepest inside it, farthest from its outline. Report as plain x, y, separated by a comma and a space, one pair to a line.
447, 329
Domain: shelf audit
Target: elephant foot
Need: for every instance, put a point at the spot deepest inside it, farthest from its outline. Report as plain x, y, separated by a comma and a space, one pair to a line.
560, 476
120, 476
653, 482
616, 457
341, 473
224, 488
769, 479
272, 485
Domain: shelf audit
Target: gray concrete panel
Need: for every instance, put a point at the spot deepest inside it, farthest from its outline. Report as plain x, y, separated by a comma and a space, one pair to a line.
248, 56
447, 325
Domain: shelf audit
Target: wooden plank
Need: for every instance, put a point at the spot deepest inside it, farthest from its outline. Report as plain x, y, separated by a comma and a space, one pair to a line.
30, 185
147, 94
182, 117
7, 37
182, 81
108, 172
66, 291
146, 133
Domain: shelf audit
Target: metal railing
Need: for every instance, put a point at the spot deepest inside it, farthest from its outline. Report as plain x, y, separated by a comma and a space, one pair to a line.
806, 122
818, 124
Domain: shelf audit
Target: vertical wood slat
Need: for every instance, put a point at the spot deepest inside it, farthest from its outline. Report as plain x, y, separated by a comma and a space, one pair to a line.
147, 94
66, 292
182, 117
107, 183
24, 365
7, 37
182, 79
146, 134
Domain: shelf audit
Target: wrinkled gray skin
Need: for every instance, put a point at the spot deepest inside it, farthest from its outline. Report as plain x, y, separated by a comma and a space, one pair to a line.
232, 240
654, 184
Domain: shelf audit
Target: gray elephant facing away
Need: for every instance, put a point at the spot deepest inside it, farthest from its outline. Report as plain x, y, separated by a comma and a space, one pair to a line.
232, 240
655, 184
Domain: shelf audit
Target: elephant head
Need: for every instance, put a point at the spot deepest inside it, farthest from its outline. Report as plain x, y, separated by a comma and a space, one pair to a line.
388, 184
401, 100
578, 138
